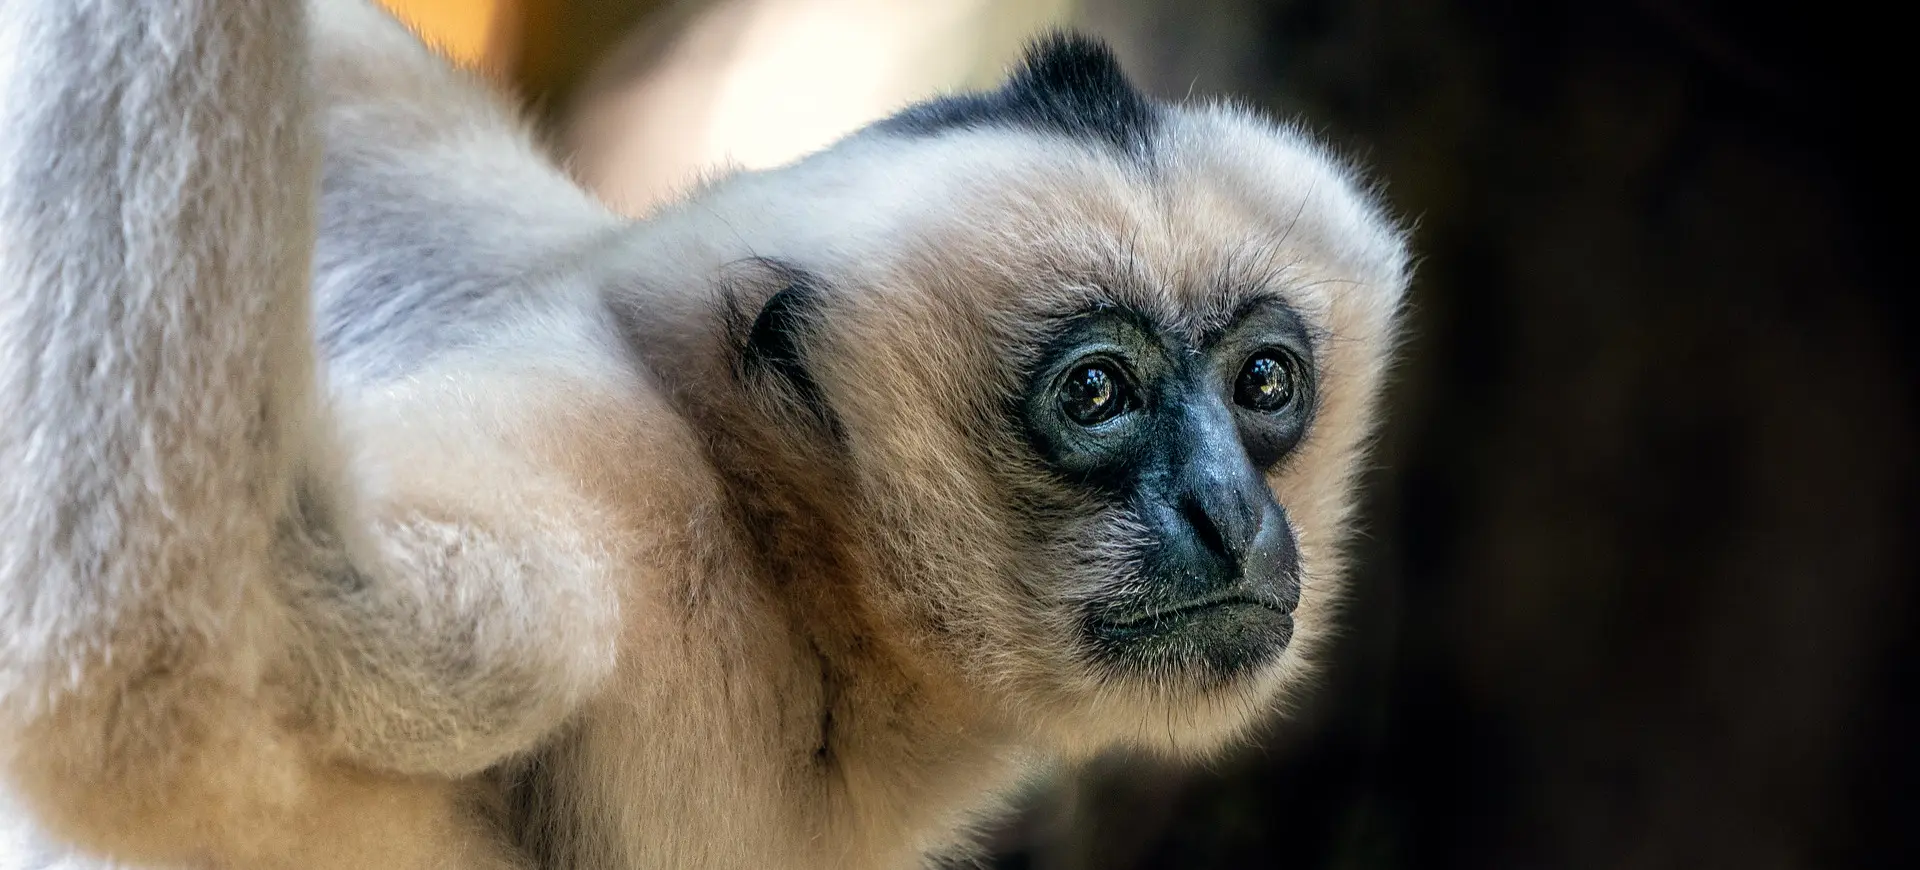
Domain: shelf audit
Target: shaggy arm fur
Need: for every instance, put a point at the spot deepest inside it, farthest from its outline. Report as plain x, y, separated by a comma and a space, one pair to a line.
214, 620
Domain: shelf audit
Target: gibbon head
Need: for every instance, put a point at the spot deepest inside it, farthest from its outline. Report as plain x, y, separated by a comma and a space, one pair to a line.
1084, 380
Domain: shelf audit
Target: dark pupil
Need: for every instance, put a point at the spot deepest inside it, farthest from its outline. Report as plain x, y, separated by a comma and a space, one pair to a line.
1266, 384
1091, 396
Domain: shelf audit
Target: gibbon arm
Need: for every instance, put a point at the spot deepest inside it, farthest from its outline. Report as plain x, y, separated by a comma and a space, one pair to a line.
158, 180
204, 627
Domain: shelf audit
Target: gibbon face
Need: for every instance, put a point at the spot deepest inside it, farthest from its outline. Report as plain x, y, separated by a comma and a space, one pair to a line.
1088, 377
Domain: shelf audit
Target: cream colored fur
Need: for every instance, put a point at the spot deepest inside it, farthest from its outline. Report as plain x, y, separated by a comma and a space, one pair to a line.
526, 574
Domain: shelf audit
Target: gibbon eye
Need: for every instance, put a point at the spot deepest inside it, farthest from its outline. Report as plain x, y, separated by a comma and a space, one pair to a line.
1268, 382
1093, 394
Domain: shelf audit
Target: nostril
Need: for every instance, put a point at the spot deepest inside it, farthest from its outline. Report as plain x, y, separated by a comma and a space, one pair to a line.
1204, 528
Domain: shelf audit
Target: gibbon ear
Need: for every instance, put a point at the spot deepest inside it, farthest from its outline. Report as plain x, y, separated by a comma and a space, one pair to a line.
774, 354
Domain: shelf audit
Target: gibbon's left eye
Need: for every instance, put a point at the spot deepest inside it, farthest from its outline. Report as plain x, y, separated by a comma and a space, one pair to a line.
1093, 394
1268, 382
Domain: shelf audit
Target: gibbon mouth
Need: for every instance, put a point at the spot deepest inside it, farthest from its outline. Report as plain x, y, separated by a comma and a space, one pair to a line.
1222, 635
1174, 616
1150, 616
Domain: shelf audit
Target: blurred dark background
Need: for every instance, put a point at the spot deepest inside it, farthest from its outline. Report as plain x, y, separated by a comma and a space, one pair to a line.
1637, 583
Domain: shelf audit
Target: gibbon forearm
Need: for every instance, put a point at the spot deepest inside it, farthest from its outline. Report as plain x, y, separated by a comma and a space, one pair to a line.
158, 175
222, 611
194, 572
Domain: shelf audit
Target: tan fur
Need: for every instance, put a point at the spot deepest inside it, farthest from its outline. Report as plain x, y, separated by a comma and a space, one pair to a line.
562, 586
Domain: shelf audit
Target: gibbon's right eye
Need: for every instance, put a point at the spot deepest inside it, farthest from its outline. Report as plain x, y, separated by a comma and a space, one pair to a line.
1268, 382
1094, 393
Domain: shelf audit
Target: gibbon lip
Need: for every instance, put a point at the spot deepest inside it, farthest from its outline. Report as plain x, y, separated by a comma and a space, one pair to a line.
1188, 607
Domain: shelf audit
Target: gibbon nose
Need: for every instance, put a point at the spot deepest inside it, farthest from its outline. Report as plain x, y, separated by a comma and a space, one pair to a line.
1223, 524
1222, 499
1225, 508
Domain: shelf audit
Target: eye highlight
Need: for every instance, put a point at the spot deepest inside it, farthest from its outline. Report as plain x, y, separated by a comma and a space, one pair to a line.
1094, 393
1268, 382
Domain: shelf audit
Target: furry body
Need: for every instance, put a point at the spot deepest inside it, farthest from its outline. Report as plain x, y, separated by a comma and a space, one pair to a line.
702, 542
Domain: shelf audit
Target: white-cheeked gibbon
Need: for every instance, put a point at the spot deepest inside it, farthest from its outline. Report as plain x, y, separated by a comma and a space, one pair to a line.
371, 496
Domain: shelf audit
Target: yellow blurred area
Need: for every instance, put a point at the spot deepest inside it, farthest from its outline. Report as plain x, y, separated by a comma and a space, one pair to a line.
539, 48
470, 31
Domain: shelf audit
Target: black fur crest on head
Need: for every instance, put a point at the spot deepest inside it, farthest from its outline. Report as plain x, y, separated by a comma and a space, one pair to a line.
1067, 84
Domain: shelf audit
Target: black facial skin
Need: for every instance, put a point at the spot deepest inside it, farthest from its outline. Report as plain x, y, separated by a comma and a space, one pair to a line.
1181, 436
